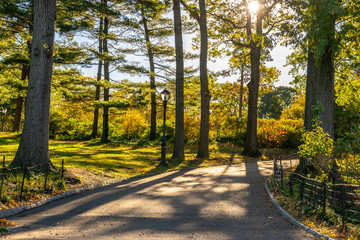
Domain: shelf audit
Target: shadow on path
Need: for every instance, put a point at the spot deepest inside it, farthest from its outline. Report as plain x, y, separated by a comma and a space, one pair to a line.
226, 202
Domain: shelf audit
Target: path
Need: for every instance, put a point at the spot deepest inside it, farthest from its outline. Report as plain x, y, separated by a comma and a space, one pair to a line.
226, 202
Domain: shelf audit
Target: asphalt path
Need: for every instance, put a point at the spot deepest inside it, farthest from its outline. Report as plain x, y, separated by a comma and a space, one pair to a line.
224, 202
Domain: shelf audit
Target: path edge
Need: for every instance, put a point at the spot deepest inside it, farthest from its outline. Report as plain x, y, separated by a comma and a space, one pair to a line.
292, 220
17, 210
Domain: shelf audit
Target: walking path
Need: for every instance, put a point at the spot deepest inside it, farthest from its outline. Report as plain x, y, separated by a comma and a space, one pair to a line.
225, 202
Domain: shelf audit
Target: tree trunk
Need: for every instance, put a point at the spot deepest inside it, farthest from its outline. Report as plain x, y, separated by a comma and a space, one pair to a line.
179, 115
203, 151
97, 91
34, 143
319, 88
105, 132
251, 148
20, 100
152, 79
241, 91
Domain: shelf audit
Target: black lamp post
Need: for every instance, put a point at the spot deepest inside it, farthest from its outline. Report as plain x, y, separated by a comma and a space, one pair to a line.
165, 96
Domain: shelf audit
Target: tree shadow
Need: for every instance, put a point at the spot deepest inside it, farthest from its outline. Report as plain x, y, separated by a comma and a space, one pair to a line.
226, 202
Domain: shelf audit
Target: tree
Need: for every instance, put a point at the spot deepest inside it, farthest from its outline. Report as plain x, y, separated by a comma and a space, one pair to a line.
105, 132
273, 103
238, 29
200, 17
179, 144
327, 25
34, 143
98, 78
149, 33
17, 17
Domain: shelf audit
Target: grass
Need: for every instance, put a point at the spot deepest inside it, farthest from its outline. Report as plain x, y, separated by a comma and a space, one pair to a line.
116, 161
92, 162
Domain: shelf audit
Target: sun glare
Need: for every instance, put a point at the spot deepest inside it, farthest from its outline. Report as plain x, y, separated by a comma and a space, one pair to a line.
253, 6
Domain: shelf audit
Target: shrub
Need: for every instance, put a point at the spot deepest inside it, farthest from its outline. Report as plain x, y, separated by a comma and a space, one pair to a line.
131, 125
69, 128
279, 133
232, 129
192, 129
317, 148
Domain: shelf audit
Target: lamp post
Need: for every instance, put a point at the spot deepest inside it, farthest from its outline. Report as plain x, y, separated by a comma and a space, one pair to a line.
165, 96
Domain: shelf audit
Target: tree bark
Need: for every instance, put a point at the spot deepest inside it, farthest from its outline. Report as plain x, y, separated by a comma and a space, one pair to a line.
179, 144
97, 91
320, 88
251, 148
20, 101
241, 91
105, 132
152, 78
203, 151
34, 143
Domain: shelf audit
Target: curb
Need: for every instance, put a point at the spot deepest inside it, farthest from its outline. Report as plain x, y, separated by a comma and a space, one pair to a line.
293, 220
13, 211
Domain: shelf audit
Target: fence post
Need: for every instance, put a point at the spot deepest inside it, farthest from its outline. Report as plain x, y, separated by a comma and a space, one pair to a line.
343, 204
291, 184
23, 182
302, 188
282, 175
62, 169
46, 177
316, 193
324, 197
2, 176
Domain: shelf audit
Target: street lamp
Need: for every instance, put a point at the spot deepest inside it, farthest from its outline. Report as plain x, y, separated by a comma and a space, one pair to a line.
165, 96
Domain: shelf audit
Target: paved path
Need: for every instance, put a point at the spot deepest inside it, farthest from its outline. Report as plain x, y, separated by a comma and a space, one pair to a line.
226, 202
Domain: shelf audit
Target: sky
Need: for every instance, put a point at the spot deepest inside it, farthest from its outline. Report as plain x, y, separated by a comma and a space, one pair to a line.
279, 54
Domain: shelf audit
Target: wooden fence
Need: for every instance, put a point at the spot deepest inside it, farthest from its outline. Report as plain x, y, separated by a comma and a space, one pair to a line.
343, 199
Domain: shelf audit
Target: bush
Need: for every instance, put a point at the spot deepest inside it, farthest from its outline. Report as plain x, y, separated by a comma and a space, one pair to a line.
192, 129
69, 128
131, 125
232, 129
279, 133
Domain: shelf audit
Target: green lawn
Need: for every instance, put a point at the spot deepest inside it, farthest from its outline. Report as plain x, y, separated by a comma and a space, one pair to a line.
116, 160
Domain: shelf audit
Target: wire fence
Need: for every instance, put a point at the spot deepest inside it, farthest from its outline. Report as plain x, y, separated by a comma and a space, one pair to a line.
342, 199
20, 182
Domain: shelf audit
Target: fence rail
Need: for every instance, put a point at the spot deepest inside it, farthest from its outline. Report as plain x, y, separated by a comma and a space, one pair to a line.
14, 179
343, 199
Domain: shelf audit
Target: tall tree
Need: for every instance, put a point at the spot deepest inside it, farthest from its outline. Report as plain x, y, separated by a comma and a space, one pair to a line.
17, 18
105, 132
200, 17
98, 78
150, 37
34, 143
241, 31
327, 24
179, 144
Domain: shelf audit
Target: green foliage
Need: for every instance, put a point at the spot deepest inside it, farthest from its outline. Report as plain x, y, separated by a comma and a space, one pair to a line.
273, 103
130, 125
317, 148
231, 129
296, 111
63, 127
